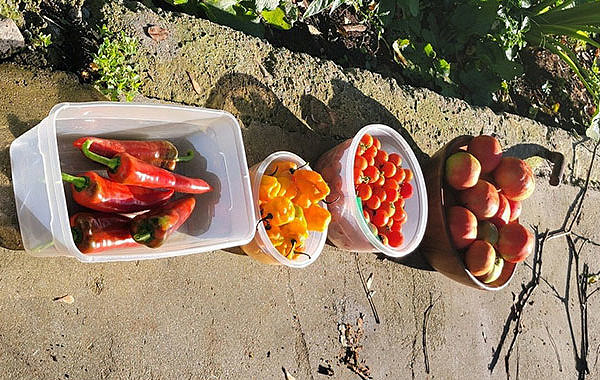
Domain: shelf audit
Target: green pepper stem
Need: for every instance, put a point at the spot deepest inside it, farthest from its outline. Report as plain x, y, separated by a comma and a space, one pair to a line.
142, 237
80, 183
188, 157
112, 163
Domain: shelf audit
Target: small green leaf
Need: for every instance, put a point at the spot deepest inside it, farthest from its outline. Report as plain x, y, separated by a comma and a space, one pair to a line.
277, 18
429, 50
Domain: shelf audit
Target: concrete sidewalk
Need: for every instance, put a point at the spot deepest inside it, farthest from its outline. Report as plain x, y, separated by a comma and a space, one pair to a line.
221, 315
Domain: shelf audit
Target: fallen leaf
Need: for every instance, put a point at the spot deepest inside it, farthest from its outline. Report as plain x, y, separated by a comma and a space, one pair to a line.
287, 375
195, 84
313, 30
66, 299
370, 281
158, 33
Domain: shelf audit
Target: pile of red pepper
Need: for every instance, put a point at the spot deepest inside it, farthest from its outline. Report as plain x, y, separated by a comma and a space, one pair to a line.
139, 179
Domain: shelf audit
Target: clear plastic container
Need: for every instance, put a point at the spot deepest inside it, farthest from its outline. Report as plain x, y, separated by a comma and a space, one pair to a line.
260, 248
221, 219
348, 229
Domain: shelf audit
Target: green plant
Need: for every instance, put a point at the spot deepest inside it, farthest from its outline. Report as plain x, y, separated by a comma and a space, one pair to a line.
246, 15
117, 74
42, 40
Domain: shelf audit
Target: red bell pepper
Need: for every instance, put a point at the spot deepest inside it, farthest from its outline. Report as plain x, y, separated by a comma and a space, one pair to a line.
159, 153
101, 194
155, 226
98, 232
129, 170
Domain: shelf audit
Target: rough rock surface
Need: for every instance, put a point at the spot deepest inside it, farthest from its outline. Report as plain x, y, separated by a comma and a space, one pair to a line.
223, 316
11, 39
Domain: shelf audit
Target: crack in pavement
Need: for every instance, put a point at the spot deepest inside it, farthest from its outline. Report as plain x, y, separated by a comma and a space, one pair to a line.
302, 354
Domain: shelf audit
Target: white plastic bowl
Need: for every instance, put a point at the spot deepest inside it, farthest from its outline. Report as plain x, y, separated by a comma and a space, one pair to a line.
348, 229
223, 218
261, 248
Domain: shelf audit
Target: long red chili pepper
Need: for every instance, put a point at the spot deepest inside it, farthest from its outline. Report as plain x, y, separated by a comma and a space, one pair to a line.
161, 153
127, 169
97, 232
155, 226
101, 194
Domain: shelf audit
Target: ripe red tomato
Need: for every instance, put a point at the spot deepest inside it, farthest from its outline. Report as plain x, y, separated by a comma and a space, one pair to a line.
380, 218
399, 215
390, 183
395, 238
395, 159
409, 175
381, 157
391, 195
400, 203
372, 173
360, 162
371, 152
366, 140
359, 176
373, 203
399, 176
376, 143
379, 192
396, 226
388, 169
364, 191
388, 208
406, 191
366, 216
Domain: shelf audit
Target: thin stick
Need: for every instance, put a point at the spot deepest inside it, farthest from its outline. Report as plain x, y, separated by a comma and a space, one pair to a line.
364, 284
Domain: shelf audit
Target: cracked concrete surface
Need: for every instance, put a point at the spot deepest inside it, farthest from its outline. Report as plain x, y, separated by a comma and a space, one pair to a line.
221, 315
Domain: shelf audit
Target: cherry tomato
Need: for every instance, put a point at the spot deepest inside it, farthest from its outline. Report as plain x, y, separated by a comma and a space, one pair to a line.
395, 238
376, 143
379, 192
389, 224
383, 239
372, 173
406, 191
399, 176
373, 203
390, 183
399, 215
380, 181
360, 162
409, 175
380, 218
358, 176
400, 203
370, 160
364, 191
381, 157
366, 140
383, 230
388, 169
395, 159
396, 226
366, 216
372, 152
388, 208
392, 195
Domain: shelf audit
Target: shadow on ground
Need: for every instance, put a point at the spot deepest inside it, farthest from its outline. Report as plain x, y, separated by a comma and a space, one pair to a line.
269, 126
